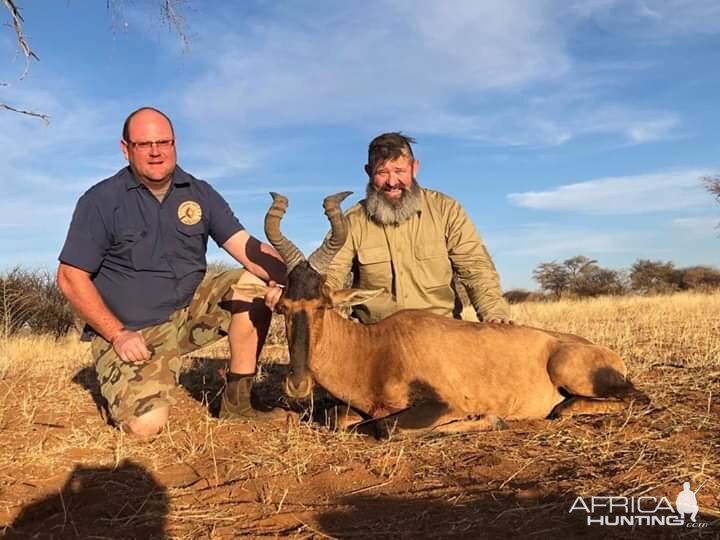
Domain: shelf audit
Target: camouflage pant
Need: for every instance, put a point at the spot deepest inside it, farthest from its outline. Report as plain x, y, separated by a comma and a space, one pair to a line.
132, 390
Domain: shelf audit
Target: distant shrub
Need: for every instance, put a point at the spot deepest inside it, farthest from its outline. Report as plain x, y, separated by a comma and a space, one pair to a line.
519, 296
516, 296
600, 282
31, 301
218, 267
700, 278
654, 277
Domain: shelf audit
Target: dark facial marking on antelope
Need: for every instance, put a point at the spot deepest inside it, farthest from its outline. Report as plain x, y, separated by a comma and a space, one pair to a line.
304, 283
298, 344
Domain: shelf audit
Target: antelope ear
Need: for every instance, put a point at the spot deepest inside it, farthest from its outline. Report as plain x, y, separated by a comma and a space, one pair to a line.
248, 291
353, 297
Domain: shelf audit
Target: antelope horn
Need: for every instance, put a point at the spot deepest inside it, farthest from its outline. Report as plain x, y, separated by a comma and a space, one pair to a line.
287, 250
321, 257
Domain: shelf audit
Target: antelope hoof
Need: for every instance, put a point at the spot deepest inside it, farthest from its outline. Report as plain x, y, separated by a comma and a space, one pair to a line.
301, 391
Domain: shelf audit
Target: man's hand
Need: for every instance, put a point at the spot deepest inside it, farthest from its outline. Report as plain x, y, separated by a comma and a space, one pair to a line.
130, 347
502, 321
272, 297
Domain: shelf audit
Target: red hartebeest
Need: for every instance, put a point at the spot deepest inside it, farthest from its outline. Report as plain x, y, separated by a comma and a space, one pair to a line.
422, 370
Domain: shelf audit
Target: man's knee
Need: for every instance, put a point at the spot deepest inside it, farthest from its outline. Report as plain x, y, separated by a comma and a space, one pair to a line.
255, 320
149, 424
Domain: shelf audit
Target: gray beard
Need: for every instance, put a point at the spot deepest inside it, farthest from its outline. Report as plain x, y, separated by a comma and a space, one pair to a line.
383, 212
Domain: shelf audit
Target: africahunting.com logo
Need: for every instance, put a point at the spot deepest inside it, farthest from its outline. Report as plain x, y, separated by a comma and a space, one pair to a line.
616, 511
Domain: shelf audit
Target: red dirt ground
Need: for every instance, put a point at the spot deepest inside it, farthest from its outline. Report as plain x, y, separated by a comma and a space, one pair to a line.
64, 473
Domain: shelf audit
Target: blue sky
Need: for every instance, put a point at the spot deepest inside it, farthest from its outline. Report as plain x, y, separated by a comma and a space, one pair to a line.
564, 127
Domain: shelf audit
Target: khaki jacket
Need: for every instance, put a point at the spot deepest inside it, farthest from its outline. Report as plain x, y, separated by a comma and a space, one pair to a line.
414, 262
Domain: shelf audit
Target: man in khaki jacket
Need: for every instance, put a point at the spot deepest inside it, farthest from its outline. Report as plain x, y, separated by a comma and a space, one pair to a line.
410, 241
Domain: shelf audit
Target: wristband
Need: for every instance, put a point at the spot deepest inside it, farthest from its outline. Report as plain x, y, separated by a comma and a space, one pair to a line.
116, 335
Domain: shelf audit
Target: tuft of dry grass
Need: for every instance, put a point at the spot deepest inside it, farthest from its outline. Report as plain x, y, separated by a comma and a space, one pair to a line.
681, 329
65, 473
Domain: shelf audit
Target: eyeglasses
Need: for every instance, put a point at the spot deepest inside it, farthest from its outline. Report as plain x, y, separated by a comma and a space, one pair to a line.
145, 146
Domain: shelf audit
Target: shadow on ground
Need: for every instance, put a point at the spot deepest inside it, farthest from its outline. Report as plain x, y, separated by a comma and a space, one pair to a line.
481, 515
98, 502
204, 380
87, 379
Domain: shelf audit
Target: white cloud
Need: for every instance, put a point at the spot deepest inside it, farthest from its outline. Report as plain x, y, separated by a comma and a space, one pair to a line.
699, 221
699, 226
651, 130
658, 18
553, 123
215, 161
376, 61
636, 124
516, 253
552, 241
45, 168
621, 195
498, 72
24, 214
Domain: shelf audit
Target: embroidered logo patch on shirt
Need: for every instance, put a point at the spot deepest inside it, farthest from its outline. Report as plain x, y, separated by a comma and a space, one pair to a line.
189, 213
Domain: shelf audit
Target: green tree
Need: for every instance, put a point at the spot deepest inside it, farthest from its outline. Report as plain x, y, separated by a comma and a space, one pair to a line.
712, 184
654, 277
552, 277
597, 281
577, 266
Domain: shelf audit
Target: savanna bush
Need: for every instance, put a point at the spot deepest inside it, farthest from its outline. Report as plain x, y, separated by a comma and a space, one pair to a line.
30, 300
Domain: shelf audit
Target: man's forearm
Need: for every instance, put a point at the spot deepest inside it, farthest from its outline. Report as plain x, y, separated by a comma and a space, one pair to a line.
492, 308
84, 297
486, 296
259, 258
266, 263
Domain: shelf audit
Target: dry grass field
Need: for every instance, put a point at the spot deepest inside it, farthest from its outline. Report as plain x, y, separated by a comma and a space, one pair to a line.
64, 473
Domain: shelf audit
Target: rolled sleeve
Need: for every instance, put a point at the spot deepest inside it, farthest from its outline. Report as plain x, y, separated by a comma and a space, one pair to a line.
87, 240
223, 223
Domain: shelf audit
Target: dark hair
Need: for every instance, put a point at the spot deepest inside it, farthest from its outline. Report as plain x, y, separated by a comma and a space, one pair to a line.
389, 146
126, 125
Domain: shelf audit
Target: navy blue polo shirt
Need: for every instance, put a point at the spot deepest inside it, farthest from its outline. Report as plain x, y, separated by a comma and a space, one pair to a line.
146, 257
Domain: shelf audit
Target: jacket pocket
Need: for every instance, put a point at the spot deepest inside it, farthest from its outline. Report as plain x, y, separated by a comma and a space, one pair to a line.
374, 268
433, 266
192, 243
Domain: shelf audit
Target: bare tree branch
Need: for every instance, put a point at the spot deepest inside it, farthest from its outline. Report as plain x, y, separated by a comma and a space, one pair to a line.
171, 15
44, 117
17, 22
712, 184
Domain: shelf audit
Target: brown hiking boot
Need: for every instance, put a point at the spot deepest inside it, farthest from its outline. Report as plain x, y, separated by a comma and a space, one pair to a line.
236, 403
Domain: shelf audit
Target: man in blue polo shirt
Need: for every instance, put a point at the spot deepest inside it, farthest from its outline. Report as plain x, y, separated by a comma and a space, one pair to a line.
133, 266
